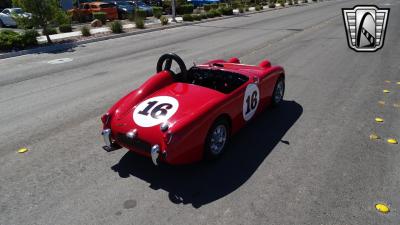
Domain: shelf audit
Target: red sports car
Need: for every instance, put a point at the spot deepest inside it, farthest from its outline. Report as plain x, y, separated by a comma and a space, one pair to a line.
183, 117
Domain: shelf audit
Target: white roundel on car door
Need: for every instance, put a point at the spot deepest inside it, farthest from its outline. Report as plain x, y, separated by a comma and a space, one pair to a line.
155, 111
250, 101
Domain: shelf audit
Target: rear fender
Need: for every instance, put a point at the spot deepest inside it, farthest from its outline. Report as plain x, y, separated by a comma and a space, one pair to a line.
153, 84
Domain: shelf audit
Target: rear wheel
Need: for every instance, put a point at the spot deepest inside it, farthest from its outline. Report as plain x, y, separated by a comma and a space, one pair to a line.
279, 91
217, 139
1, 24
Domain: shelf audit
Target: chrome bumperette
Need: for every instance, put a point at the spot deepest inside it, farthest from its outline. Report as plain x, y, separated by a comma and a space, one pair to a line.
132, 134
107, 137
164, 127
155, 153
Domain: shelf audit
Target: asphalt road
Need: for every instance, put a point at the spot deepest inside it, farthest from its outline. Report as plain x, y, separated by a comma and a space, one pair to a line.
310, 161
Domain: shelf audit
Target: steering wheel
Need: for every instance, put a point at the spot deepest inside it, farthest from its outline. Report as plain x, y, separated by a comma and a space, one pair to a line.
168, 58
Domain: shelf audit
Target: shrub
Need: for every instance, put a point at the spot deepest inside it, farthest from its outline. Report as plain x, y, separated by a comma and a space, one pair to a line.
258, 8
140, 13
282, 2
49, 31
187, 17
241, 10
139, 22
207, 7
197, 17
131, 17
227, 11
314, 0
210, 14
29, 37
164, 20
85, 31
9, 40
218, 12
116, 27
102, 16
23, 22
290, 2
62, 18
13, 40
296, 2
222, 5
157, 12
65, 28
305, 1
204, 16
185, 9
236, 5
214, 6
271, 5
246, 9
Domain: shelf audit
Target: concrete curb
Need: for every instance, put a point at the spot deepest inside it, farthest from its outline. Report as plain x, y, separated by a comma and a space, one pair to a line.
69, 45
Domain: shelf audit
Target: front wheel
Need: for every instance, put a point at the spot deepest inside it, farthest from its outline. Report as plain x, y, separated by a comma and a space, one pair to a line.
217, 139
279, 91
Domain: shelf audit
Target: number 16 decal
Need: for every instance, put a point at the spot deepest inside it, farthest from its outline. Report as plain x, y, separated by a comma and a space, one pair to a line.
250, 101
154, 111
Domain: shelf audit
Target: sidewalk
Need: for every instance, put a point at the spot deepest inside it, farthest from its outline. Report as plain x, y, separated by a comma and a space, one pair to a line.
104, 29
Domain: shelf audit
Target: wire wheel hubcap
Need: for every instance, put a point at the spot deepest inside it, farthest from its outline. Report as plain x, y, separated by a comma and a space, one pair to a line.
279, 92
218, 139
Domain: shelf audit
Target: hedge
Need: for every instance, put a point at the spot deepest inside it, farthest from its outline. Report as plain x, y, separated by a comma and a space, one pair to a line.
214, 6
187, 17
140, 13
49, 31
227, 11
185, 9
12, 40
157, 12
65, 28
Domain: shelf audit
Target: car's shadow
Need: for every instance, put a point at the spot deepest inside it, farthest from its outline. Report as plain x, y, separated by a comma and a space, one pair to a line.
205, 182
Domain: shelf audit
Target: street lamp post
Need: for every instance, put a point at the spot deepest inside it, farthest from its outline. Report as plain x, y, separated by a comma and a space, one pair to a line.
173, 5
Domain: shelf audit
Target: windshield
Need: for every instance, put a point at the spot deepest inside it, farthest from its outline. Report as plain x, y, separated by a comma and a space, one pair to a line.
107, 6
123, 4
141, 4
17, 11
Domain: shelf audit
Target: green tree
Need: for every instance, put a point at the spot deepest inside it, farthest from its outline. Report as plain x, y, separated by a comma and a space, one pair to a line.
44, 12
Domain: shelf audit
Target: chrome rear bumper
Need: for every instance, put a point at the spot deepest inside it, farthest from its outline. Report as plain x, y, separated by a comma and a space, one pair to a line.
107, 137
110, 146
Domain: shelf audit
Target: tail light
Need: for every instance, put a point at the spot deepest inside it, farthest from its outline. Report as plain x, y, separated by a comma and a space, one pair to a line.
106, 119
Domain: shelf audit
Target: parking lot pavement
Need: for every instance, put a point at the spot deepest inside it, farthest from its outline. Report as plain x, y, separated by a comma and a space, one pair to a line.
309, 161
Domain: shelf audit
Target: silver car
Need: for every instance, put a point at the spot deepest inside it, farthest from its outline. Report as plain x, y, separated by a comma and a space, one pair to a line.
6, 16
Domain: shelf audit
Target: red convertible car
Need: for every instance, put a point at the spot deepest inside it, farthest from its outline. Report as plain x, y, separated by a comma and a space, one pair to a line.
183, 117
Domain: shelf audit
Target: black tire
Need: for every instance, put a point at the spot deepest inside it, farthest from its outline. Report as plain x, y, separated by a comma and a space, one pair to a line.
209, 152
277, 95
1, 24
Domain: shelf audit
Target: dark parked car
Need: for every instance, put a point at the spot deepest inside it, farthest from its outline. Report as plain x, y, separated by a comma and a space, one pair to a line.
124, 8
143, 6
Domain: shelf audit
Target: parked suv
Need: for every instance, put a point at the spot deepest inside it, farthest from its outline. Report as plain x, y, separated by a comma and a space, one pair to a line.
86, 10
